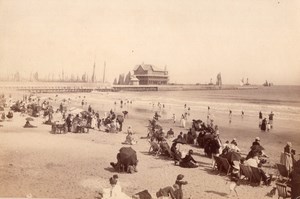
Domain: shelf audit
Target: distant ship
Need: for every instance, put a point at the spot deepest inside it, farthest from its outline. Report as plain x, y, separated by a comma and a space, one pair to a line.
268, 83
210, 83
244, 84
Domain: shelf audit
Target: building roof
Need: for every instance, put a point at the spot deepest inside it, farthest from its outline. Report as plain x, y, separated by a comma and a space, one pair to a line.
147, 67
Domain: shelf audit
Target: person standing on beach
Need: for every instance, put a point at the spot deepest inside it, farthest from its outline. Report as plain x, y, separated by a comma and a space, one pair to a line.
69, 123
260, 117
271, 115
230, 116
174, 118
182, 121
215, 148
243, 114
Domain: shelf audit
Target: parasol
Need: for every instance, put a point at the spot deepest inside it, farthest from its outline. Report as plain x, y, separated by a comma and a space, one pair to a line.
179, 140
127, 154
257, 148
120, 118
85, 113
29, 119
233, 156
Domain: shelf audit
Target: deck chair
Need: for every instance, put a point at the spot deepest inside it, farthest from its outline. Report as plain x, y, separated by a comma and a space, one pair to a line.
218, 163
256, 175
154, 148
282, 192
283, 172
246, 171
225, 165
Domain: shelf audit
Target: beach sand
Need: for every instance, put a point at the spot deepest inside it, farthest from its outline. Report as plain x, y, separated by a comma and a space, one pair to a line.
36, 162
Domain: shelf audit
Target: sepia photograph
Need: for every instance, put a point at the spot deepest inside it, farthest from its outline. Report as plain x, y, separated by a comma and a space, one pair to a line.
149, 99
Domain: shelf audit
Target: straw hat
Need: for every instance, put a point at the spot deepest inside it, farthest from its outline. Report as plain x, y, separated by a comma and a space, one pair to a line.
289, 144
257, 139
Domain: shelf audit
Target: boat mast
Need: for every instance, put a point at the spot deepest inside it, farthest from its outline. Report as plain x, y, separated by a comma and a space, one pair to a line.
104, 72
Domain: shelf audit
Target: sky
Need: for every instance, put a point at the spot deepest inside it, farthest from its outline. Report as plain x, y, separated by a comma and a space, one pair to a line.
195, 39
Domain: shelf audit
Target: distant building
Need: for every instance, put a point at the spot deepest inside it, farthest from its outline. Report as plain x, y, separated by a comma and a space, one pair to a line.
148, 74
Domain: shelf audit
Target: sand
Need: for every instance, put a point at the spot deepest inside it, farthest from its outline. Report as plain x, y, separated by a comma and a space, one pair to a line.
38, 163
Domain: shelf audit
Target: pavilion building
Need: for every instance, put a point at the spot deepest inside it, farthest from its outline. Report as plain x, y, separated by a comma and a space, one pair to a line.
150, 75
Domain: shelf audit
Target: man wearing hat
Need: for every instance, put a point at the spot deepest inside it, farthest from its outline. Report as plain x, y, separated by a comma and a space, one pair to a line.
179, 181
256, 141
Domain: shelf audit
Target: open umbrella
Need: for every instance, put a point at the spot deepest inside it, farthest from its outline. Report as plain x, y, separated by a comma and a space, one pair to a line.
127, 155
233, 156
120, 118
179, 140
85, 113
29, 119
257, 148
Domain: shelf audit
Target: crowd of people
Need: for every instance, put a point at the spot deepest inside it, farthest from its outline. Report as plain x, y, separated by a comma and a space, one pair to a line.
204, 135
264, 123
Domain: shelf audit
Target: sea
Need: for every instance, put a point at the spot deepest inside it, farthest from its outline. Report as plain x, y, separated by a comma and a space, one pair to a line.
283, 101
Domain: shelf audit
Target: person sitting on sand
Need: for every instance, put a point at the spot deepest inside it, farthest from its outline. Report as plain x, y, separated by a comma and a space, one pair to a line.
188, 161
3, 116
170, 133
10, 115
28, 125
233, 146
180, 136
129, 139
129, 130
115, 191
175, 152
113, 182
179, 181
166, 192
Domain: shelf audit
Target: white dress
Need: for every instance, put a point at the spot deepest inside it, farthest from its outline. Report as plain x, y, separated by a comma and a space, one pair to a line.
116, 193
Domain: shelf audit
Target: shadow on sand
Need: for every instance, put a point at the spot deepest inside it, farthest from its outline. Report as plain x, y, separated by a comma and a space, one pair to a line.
161, 157
110, 169
218, 193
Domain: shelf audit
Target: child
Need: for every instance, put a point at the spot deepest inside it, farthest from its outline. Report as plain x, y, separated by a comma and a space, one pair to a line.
113, 182
268, 126
174, 118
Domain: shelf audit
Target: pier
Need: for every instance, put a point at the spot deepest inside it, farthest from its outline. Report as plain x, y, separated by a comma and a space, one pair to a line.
67, 87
